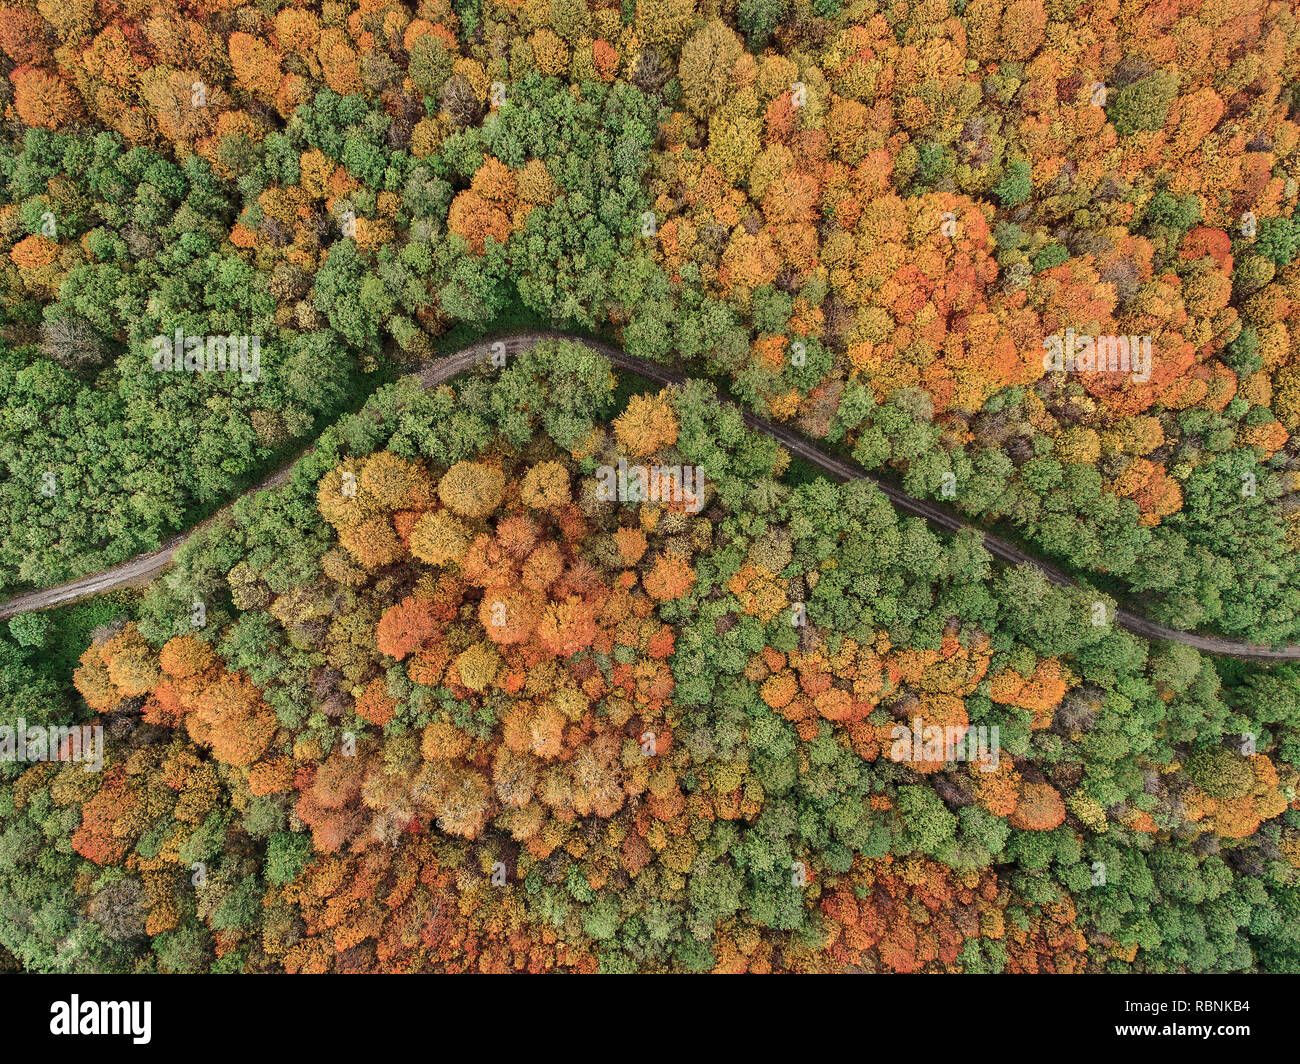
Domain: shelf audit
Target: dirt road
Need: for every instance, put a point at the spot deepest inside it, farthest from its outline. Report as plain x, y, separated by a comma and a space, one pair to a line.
142, 569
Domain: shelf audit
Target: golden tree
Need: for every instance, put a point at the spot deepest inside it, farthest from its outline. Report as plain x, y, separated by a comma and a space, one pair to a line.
472, 489
647, 425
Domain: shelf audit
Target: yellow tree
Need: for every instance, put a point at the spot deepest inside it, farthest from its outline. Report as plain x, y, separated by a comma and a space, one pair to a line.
648, 424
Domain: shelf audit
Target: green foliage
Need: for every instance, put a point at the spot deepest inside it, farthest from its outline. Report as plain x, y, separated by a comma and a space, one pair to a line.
1144, 104
1014, 187
31, 629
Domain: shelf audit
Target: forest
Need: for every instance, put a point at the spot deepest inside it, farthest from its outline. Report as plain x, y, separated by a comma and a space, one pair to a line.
444, 699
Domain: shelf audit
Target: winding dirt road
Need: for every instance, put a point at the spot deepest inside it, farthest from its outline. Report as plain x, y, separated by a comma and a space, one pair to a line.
142, 569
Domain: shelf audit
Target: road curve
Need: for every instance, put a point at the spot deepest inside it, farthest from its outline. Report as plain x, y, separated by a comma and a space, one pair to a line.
142, 569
